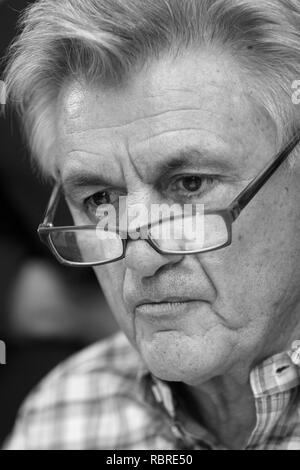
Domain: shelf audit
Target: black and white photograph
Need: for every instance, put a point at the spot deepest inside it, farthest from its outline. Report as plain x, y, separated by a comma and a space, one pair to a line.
150, 227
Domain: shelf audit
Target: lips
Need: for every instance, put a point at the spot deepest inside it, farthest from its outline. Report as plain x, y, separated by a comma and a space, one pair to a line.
168, 306
164, 292
167, 310
164, 301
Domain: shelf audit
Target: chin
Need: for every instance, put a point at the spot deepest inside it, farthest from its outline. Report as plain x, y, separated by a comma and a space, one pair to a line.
184, 360
171, 372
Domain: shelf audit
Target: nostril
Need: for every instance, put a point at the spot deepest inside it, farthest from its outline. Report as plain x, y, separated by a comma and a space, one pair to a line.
282, 369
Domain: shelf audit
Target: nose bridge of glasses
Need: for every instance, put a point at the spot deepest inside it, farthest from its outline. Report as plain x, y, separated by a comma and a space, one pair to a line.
138, 218
137, 212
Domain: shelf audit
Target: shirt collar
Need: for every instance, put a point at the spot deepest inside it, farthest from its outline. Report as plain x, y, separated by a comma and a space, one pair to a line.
275, 377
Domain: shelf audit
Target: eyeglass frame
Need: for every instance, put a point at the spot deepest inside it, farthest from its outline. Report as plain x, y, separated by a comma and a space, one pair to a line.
229, 214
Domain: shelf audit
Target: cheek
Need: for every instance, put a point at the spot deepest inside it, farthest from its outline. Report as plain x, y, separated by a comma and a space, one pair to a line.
262, 264
111, 278
265, 242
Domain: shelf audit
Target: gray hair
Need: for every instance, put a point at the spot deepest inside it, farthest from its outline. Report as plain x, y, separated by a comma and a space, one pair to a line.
104, 41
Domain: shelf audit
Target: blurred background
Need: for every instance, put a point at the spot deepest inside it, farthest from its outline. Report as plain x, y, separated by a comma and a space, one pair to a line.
47, 312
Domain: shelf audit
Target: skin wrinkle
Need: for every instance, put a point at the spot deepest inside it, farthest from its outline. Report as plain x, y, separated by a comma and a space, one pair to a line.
180, 130
212, 348
157, 135
74, 188
191, 128
229, 85
241, 180
210, 390
277, 307
201, 264
141, 120
187, 150
135, 167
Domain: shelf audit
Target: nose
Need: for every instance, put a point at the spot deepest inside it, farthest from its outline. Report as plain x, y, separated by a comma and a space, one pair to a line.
144, 260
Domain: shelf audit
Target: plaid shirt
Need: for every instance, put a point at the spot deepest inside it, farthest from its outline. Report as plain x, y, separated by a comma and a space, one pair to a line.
104, 398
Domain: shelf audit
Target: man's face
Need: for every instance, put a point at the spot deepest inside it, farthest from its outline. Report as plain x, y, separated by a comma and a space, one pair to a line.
196, 317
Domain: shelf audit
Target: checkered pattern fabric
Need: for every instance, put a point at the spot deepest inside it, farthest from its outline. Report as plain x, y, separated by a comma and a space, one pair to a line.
104, 398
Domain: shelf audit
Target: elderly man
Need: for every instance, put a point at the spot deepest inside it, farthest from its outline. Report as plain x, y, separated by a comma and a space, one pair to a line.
185, 102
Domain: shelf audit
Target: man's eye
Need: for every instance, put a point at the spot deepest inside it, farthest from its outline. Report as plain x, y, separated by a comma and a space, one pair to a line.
98, 199
192, 185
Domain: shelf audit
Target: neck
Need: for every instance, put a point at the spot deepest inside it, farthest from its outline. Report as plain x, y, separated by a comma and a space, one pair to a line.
226, 407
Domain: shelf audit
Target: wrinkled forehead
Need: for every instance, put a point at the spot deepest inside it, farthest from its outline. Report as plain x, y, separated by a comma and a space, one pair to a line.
194, 100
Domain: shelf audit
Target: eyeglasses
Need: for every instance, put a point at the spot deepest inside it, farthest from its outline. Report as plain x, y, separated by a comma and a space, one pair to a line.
84, 246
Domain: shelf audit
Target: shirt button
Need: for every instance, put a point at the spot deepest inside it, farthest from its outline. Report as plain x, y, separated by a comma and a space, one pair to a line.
295, 354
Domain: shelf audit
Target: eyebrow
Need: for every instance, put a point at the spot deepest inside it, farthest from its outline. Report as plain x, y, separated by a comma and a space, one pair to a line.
178, 160
78, 180
184, 158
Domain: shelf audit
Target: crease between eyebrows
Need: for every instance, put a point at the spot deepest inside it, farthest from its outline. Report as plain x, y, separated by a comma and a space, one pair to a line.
183, 161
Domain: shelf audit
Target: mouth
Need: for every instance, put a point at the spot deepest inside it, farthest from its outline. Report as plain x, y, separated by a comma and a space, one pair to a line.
166, 308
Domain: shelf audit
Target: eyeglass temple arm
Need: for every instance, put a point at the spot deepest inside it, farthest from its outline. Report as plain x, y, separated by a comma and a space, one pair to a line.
50, 211
252, 189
